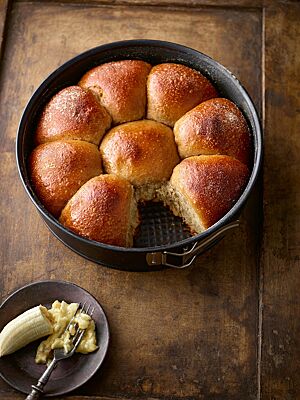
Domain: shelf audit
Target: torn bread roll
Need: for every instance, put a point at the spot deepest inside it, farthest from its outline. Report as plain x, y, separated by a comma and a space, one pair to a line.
202, 189
144, 152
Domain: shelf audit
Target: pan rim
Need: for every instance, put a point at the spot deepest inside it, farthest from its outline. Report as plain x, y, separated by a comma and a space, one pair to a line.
229, 216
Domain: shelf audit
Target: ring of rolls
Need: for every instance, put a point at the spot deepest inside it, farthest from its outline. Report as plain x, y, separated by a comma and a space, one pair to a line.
130, 132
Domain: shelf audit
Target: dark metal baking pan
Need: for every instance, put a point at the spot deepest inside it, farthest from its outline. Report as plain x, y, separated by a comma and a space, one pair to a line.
163, 240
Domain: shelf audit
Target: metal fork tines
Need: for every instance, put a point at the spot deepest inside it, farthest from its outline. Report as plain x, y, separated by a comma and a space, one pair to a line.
60, 354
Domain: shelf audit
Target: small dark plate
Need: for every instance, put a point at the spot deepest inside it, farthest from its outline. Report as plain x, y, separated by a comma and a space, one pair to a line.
19, 369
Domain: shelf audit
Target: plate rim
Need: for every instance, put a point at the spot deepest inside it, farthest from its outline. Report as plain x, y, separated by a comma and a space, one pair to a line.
51, 281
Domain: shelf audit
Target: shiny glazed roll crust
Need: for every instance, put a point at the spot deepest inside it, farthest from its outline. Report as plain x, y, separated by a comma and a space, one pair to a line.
203, 189
174, 89
58, 169
215, 126
73, 113
121, 86
143, 152
104, 210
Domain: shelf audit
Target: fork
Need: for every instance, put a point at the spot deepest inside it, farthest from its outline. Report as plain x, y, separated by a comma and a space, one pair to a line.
59, 354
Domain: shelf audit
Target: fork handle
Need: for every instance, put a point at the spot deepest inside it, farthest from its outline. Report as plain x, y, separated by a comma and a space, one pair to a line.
38, 390
34, 394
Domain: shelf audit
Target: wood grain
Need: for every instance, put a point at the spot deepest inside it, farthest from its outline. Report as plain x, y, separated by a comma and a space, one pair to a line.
169, 3
175, 334
281, 245
19, 396
3, 13
178, 3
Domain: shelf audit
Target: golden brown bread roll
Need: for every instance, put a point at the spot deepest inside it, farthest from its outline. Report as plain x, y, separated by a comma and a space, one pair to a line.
144, 152
58, 169
203, 189
104, 210
121, 85
215, 126
73, 113
174, 89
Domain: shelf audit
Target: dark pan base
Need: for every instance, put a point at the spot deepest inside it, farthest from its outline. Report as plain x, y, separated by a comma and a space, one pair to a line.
159, 226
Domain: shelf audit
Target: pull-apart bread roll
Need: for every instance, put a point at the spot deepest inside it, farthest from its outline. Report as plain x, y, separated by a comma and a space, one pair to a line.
121, 86
144, 152
215, 126
73, 113
104, 209
174, 89
58, 169
203, 189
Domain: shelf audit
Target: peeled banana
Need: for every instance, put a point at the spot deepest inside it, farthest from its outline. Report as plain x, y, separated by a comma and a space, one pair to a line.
27, 327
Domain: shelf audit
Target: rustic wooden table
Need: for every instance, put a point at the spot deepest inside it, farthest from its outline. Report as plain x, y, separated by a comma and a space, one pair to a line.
228, 328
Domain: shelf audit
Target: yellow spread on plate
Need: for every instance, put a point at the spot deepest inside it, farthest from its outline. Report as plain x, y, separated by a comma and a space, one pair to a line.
61, 314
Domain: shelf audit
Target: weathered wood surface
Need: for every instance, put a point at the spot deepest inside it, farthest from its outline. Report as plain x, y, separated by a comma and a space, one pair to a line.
179, 3
169, 3
281, 242
3, 13
189, 334
176, 334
